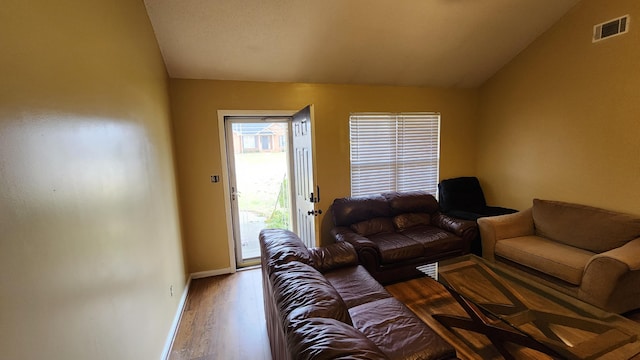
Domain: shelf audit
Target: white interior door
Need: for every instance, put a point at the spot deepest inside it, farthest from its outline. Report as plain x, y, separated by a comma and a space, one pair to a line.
307, 192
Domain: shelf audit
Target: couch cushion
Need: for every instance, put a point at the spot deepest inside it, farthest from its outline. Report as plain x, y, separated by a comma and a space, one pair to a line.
302, 292
356, 286
398, 332
408, 220
349, 210
585, 227
434, 240
412, 202
550, 257
282, 246
334, 256
373, 226
395, 247
321, 338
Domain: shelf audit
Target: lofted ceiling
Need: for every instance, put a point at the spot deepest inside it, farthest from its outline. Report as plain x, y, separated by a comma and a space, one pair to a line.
440, 43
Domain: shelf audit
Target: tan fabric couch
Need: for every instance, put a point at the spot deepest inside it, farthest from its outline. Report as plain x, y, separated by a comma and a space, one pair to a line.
586, 252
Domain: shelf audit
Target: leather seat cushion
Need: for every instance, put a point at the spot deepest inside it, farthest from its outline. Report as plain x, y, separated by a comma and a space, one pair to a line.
398, 332
356, 286
322, 338
395, 247
434, 239
550, 257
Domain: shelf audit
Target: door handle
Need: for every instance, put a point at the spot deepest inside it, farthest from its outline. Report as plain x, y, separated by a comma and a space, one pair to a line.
314, 212
234, 193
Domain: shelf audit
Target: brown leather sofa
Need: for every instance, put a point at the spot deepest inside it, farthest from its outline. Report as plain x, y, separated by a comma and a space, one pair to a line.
393, 233
320, 304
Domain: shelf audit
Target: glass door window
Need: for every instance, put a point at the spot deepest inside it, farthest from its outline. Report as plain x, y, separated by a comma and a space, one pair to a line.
259, 181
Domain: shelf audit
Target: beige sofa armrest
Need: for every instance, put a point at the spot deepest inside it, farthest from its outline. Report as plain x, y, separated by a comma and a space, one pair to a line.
628, 253
604, 273
495, 228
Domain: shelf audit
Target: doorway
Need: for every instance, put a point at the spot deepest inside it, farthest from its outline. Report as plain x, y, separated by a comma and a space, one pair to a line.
269, 164
258, 152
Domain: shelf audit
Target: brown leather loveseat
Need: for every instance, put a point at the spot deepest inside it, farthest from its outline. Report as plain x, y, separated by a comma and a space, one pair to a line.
320, 304
393, 233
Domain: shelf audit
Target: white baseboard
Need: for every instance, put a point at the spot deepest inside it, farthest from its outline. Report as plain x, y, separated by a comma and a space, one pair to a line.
176, 321
203, 274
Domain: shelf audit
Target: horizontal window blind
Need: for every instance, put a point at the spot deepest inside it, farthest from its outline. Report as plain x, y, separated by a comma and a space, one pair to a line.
394, 152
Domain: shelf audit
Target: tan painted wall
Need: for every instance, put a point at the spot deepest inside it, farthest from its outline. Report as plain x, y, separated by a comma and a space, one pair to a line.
90, 238
194, 111
562, 121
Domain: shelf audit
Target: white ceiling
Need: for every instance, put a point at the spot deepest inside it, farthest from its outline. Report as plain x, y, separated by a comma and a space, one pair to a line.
443, 43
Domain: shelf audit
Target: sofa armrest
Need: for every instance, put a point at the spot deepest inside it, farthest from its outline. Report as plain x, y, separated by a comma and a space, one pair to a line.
334, 256
368, 252
495, 228
604, 273
359, 242
628, 254
466, 229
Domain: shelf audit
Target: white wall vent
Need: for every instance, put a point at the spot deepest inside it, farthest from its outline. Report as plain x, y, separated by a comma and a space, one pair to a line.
611, 28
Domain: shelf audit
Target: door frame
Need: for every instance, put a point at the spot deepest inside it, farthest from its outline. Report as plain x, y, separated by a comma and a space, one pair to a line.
225, 169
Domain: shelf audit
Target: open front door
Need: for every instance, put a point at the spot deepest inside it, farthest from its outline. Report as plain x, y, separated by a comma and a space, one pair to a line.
306, 190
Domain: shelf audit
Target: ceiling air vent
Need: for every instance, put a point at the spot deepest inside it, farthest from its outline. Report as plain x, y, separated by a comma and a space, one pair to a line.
611, 28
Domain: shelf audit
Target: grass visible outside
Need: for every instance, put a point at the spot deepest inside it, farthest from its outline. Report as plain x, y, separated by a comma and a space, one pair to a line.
259, 177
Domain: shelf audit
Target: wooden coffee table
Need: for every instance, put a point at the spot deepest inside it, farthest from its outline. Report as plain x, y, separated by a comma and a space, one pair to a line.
488, 311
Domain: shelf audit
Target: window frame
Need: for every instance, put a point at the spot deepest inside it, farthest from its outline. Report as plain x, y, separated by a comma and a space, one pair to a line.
385, 152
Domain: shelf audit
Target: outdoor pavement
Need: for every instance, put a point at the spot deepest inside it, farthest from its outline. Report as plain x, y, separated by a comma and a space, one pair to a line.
253, 223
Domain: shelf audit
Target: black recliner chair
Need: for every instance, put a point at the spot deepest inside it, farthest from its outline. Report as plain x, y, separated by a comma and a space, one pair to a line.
463, 198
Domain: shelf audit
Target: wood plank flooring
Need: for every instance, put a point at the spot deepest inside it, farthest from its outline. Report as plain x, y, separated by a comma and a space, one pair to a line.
224, 319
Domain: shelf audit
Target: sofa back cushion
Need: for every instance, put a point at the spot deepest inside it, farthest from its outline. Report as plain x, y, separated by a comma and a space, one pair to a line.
582, 226
412, 202
301, 292
373, 226
352, 210
279, 247
409, 220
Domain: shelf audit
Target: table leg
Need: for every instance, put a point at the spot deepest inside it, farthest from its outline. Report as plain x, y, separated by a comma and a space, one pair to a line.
496, 330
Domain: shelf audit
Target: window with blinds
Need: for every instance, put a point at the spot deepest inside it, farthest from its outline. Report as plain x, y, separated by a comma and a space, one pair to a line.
394, 152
